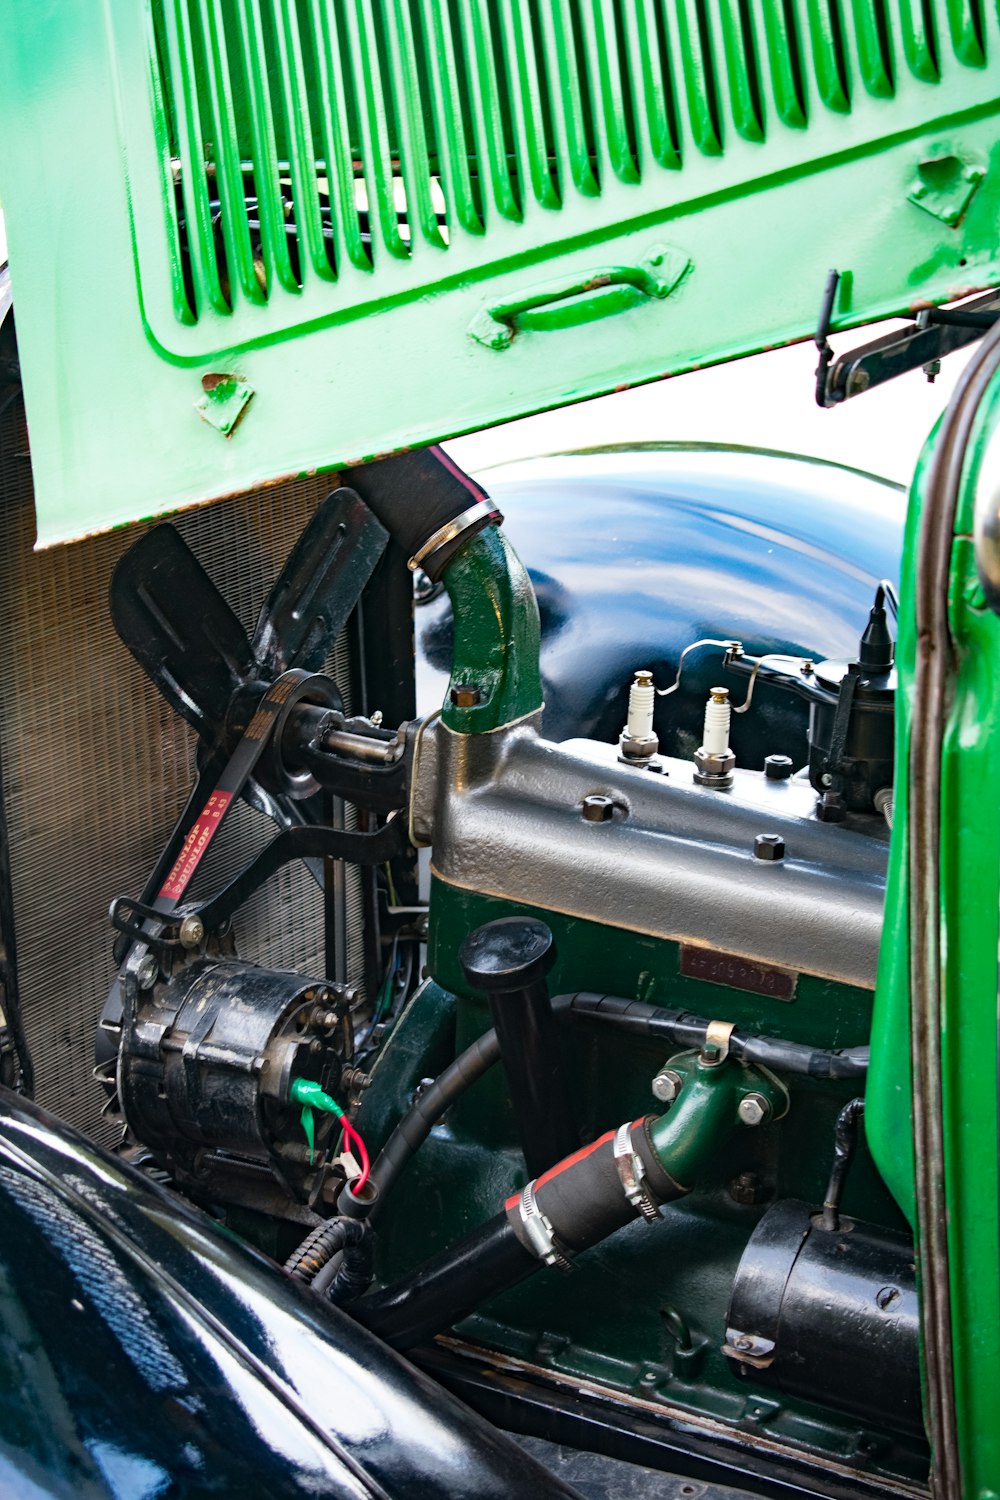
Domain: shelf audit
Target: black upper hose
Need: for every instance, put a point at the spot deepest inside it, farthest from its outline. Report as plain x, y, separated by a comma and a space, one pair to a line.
414, 495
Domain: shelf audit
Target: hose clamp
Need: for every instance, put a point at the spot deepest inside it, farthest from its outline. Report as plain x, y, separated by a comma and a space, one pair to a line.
632, 1173
541, 1236
476, 516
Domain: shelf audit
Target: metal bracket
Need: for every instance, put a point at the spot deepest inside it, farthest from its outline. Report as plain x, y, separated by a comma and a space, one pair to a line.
717, 1039
749, 1348
541, 1236
225, 401
937, 331
633, 1175
142, 923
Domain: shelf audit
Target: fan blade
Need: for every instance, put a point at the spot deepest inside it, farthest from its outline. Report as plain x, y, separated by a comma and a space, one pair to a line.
320, 584
180, 630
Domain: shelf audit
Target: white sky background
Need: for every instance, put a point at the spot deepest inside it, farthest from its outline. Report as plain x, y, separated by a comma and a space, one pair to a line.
765, 401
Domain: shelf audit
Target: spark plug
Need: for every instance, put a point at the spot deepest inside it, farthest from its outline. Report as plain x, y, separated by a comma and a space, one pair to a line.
713, 760
638, 742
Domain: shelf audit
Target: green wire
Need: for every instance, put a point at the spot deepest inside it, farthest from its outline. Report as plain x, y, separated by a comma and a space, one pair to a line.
303, 1091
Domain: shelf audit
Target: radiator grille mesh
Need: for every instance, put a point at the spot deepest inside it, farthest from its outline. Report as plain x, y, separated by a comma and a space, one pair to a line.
96, 767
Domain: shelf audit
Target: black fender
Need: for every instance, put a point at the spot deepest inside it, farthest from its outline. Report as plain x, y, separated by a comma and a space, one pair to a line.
144, 1351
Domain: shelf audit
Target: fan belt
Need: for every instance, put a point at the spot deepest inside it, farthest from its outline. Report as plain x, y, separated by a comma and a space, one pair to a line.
233, 778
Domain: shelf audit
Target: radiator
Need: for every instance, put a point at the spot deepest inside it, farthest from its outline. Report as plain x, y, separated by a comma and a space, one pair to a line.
96, 768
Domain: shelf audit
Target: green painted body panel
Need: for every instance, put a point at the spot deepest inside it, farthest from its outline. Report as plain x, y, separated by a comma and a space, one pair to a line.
888, 1123
970, 860
395, 222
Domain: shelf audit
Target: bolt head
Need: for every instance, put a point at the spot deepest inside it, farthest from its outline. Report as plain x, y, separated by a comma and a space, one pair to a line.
667, 1085
753, 1109
597, 808
146, 972
465, 694
192, 932
769, 846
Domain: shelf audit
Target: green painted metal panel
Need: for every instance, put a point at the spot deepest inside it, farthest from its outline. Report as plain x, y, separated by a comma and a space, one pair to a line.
327, 198
969, 928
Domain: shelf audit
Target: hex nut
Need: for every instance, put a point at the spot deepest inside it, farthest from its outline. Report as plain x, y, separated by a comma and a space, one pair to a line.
465, 695
769, 846
714, 770
747, 1189
597, 808
638, 750
778, 767
831, 808
753, 1109
667, 1085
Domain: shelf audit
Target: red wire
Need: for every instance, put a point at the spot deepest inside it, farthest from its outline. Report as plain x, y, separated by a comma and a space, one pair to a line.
352, 1135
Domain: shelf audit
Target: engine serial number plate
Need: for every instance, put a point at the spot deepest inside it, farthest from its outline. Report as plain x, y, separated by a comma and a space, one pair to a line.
737, 973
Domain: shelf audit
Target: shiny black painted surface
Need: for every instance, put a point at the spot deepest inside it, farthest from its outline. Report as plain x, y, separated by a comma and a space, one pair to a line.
829, 1314
144, 1353
636, 552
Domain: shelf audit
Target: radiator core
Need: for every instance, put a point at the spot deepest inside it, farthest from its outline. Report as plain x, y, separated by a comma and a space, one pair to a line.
96, 768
